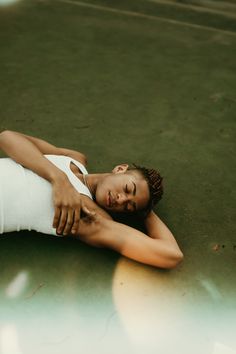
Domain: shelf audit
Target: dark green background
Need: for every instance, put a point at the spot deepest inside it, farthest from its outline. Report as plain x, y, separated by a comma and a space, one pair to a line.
127, 85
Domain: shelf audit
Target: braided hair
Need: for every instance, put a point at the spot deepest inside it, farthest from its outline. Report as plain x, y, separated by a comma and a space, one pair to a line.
155, 184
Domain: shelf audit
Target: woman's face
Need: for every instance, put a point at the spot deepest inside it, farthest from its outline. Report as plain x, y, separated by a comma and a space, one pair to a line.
122, 191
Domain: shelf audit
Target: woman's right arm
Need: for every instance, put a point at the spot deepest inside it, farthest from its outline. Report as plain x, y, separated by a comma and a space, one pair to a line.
49, 149
25, 152
28, 152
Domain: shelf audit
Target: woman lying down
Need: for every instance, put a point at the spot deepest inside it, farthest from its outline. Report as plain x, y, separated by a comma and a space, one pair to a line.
48, 189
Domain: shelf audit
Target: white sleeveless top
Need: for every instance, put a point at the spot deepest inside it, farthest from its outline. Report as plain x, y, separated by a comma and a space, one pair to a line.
26, 199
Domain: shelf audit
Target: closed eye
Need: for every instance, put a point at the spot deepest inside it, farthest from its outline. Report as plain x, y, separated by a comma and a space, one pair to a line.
130, 205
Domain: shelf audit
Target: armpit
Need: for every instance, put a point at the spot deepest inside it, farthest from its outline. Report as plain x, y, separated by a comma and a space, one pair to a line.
90, 227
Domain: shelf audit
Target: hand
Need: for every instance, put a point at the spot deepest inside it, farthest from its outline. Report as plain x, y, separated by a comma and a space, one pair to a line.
68, 206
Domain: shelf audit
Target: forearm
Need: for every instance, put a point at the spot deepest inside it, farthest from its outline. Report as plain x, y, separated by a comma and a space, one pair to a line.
136, 245
157, 229
26, 153
49, 149
46, 148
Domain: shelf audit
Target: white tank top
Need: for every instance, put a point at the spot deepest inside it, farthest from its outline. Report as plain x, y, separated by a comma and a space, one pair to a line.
26, 199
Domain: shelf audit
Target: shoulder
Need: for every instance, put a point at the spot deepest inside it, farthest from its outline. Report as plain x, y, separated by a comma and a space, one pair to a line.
93, 206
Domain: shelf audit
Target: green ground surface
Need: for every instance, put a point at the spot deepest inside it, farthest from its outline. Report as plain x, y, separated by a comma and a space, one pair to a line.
149, 83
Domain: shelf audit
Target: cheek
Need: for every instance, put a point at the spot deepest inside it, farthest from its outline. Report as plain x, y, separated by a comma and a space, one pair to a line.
110, 183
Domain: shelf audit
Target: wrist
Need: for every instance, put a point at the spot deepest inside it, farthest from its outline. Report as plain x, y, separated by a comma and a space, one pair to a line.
57, 176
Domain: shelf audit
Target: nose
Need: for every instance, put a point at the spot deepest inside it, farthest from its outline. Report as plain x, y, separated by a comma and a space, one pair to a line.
121, 198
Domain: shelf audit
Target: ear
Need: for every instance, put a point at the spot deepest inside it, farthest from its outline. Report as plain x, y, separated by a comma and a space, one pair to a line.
120, 168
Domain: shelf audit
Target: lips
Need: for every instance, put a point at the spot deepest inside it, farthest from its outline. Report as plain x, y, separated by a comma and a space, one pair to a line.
109, 200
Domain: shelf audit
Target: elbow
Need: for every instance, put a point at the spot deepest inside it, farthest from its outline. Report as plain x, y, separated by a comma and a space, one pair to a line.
5, 132
6, 136
81, 158
170, 261
175, 259
84, 159
3, 136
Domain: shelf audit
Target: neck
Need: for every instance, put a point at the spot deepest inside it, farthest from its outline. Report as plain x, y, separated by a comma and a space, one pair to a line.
92, 181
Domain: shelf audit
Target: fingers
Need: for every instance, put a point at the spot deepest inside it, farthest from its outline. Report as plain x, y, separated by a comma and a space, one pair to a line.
56, 218
66, 221
62, 221
69, 222
76, 221
89, 216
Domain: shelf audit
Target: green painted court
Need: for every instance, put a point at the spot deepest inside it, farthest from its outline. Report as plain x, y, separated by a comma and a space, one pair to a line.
146, 81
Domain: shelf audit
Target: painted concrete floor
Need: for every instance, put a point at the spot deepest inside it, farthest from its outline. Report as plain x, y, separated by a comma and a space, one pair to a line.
150, 82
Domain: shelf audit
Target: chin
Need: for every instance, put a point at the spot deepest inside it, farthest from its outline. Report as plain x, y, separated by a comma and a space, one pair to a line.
99, 201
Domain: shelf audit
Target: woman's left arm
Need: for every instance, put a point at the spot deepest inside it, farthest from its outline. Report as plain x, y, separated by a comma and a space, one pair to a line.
157, 229
161, 251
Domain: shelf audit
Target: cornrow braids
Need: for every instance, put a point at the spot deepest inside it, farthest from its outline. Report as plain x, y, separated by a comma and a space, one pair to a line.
155, 184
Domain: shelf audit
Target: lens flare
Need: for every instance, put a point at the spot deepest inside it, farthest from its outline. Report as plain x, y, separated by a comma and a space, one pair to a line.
7, 2
17, 285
